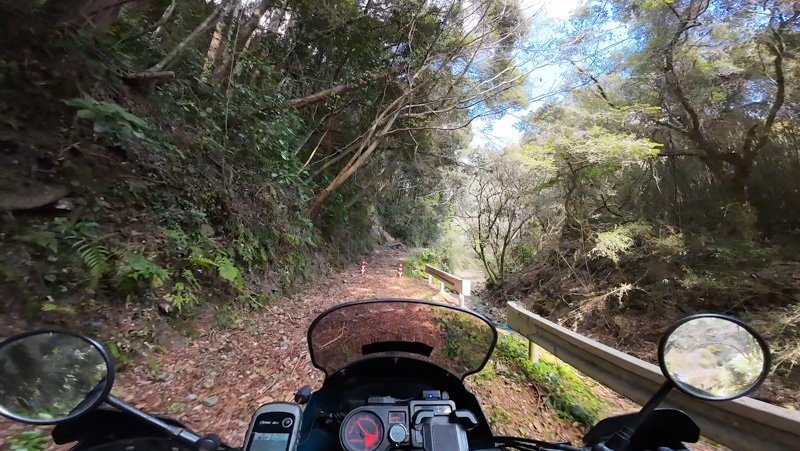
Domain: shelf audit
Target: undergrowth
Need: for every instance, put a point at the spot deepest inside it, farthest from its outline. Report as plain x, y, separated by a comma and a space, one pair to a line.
414, 266
29, 441
563, 390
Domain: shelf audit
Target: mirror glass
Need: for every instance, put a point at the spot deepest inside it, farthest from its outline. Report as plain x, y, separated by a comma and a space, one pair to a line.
50, 377
713, 358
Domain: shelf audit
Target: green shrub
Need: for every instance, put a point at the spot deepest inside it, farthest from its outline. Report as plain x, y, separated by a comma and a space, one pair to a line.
110, 120
181, 297
86, 243
619, 241
134, 268
485, 375
415, 266
28, 441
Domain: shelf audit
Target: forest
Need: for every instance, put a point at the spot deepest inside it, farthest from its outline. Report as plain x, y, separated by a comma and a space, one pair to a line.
190, 162
661, 184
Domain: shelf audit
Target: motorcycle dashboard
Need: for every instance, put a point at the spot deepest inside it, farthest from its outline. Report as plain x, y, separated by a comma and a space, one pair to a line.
384, 427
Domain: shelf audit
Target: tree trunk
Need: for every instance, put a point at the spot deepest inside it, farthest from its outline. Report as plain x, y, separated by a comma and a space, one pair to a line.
251, 25
339, 90
217, 47
245, 32
327, 93
356, 162
163, 20
743, 215
175, 53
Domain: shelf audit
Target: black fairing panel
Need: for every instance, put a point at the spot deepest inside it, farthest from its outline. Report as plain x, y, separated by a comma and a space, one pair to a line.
398, 377
664, 427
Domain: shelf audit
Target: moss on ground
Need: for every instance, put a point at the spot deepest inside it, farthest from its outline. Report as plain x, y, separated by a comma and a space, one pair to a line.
563, 390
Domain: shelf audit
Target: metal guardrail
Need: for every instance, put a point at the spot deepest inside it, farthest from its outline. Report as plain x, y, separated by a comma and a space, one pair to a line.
462, 286
743, 424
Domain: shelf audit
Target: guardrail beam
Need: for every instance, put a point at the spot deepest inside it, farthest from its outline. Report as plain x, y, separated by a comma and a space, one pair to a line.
743, 424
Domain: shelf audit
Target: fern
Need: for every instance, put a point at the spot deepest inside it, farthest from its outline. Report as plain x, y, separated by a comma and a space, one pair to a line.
189, 276
226, 268
135, 267
228, 271
181, 297
177, 235
94, 257
44, 239
198, 258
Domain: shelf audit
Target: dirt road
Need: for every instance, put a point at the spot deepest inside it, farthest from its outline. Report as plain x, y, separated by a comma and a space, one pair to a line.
217, 381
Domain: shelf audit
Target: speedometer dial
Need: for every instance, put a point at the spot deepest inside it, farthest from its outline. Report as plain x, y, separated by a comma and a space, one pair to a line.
362, 431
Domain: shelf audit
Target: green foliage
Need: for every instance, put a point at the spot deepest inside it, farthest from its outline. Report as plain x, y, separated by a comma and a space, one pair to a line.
249, 249
565, 391
122, 358
94, 256
52, 307
619, 241
416, 221
181, 297
485, 375
28, 441
415, 266
189, 278
228, 271
85, 241
110, 119
42, 238
198, 257
154, 365
597, 146
669, 244
739, 251
226, 316
225, 267
177, 235
134, 268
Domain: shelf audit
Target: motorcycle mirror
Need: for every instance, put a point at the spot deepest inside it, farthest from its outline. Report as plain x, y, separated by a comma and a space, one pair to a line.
714, 357
711, 357
48, 377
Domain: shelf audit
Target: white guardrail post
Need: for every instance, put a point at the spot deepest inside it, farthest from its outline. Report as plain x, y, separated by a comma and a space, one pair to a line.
463, 287
743, 424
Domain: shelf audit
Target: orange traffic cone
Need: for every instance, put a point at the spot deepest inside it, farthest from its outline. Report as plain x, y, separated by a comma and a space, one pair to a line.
400, 270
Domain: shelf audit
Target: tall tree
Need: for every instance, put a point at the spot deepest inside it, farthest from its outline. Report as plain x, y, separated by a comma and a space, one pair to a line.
716, 68
452, 74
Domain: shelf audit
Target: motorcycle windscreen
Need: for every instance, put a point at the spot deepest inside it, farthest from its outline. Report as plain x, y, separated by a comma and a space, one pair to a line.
457, 340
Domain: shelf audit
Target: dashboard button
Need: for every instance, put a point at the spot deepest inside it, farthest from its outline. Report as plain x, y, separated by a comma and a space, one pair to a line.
398, 433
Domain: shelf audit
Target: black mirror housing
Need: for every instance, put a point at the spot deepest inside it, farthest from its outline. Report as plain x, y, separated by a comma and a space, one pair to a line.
51, 376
